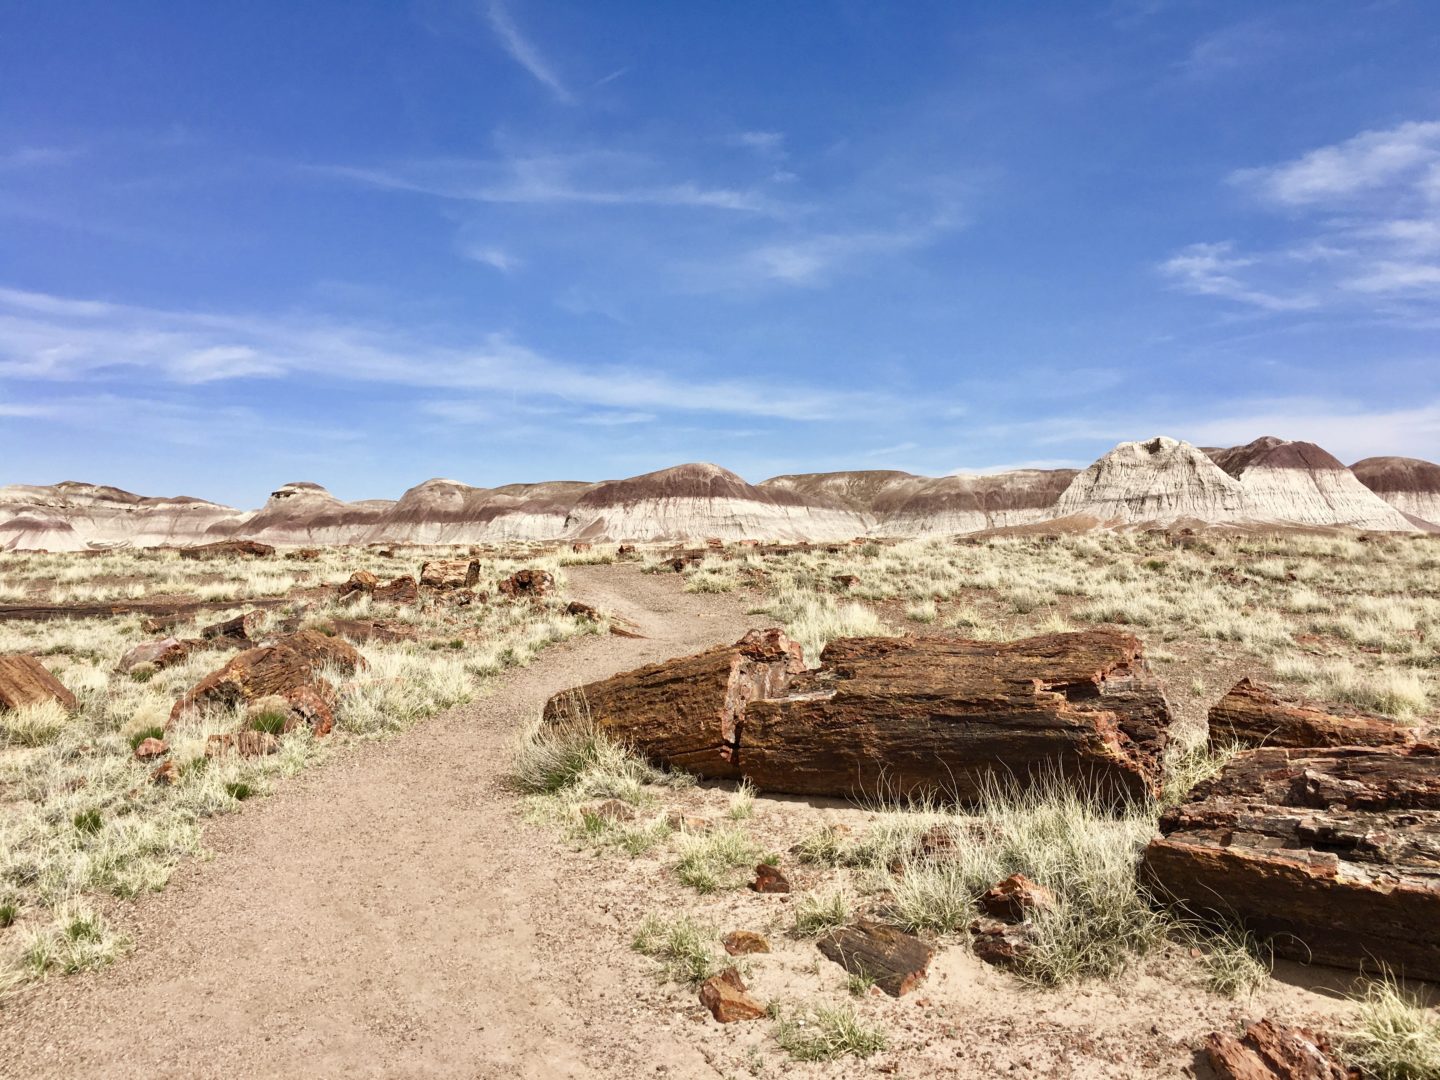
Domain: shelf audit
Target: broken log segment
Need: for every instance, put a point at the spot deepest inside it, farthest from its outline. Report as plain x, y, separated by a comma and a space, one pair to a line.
1271, 1051
1252, 714
892, 959
450, 573
899, 718
686, 713
25, 681
1328, 853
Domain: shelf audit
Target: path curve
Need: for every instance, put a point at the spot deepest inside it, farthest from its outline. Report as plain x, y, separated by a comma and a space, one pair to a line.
388, 914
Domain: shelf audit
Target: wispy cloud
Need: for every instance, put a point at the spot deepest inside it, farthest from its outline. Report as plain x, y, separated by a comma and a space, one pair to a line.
524, 53
766, 144
490, 256
1363, 218
58, 339
35, 157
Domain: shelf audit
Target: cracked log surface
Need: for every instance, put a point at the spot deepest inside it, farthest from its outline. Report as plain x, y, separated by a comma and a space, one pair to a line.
1255, 715
1332, 853
687, 712
896, 717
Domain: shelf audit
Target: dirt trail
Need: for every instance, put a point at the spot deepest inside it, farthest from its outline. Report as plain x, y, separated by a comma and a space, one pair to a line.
388, 914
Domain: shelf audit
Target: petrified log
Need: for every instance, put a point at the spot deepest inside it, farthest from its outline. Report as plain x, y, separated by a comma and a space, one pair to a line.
159, 654
288, 669
26, 681
894, 960
240, 628
687, 712
1255, 715
528, 583
1330, 853
402, 590
903, 717
450, 573
1271, 1051
226, 548
361, 581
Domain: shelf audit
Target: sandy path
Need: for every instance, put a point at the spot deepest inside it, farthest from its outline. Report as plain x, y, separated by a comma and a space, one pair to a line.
388, 914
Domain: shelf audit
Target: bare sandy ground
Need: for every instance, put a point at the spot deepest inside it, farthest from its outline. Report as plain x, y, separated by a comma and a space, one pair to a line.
390, 914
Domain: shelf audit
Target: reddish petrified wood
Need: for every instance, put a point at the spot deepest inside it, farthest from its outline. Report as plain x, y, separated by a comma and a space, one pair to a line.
687, 712
450, 573
528, 584
1330, 853
241, 628
1255, 715
159, 654
227, 548
727, 999
26, 681
402, 590
901, 717
894, 960
1271, 1051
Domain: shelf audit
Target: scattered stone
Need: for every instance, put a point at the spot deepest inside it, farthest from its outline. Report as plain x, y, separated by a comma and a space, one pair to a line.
151, 748
244, 628
745, 942
159, 624
581, 546
684, 823
1271, 1051
1015, 899
402, 590
158, 654
625, 549
582, 611
26, 681
361, 582
1001, 943
892, 959
228, 549
165, 774
304, 554
450, 573
726, 998
528, 584
845, 582
363, 630
1328, 853
770, 879
1252, 714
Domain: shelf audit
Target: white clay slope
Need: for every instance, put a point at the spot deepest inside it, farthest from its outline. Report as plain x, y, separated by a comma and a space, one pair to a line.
1160, 480
71, 516
1410, 485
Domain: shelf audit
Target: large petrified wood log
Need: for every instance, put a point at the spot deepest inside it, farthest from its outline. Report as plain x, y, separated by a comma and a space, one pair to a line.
1255, 715
687, 712
26, 681
896, 717
450, 573
903, 717
892, 959
1333, 854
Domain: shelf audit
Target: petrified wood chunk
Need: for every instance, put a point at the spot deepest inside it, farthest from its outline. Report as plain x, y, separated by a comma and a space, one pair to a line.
901, 717
402, 590
26, 681
160, 654
687, 712
528, 583
240, 628
894, 960
450, 573
1333, 854
1271, 1051
1255, 715
726, 997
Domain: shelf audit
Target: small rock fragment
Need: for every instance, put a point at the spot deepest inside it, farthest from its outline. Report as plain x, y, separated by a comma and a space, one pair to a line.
1015, 898
745, 942
151, 748
726, 998
770, 879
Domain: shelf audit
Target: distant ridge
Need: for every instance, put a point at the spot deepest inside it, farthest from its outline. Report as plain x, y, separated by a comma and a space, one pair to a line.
1159, 481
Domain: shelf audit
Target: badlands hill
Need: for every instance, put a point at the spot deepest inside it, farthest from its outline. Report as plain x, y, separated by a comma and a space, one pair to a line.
1410, 485
1161, 481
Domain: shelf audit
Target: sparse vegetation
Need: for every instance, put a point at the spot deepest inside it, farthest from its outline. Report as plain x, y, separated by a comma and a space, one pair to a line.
684, 947
827, 1034
817, 913
1395, 1037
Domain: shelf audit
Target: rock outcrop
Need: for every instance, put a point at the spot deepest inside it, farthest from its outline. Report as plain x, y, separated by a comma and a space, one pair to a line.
1159, 481
1409, 485
893, 717
1270, 1051
1255, 715
1300, 484
1329, 854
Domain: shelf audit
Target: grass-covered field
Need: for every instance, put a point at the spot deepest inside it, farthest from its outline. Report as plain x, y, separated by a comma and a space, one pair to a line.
80, 821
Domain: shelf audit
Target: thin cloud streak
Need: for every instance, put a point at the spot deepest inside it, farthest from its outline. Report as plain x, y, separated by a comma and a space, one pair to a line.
524, 53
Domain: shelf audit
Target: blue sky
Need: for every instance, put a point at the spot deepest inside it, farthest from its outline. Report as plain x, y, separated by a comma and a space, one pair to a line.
367, 243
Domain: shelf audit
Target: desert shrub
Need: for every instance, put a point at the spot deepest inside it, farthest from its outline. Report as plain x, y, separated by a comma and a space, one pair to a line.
713, 861
815, 913
683, 946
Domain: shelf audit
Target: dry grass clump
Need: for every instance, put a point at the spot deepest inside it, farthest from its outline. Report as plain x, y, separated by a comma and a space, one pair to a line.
815, 619
829, 1033
1395, 1037
1398, 692
817, 913
684, 947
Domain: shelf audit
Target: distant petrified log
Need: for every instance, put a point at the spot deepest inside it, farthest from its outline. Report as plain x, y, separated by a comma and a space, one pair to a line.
1271, 1051
450, 573
898, 717
228, 548
1329, 853
901, 717
242, 628
894, 960
25, 681
159, 654
402, 590
361, 581
687, 712
1255, 715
